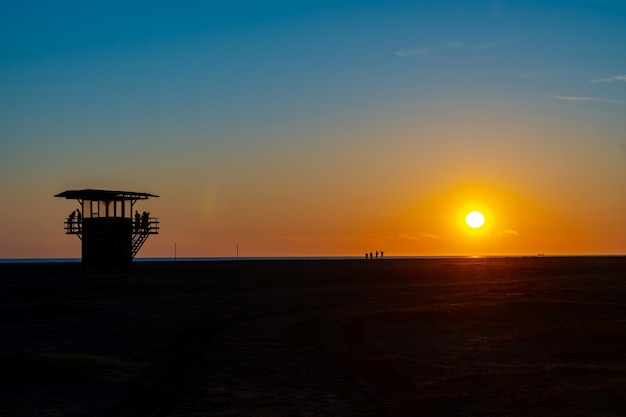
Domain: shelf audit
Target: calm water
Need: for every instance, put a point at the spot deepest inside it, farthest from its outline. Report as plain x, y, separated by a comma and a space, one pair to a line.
301, 258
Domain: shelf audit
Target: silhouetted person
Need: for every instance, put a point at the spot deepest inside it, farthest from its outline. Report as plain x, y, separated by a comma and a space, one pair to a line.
376, 254
144, 220
70, 220
366, 255
371, 255
79, 219
137, 221
382, 254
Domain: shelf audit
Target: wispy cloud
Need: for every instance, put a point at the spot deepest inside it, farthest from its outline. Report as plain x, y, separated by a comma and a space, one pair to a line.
413, 51
320, 239
488, 45
535, 75
506, 232
327, 239
448, 45
609, 79
583, 99
472, 46
421, 236
454, 44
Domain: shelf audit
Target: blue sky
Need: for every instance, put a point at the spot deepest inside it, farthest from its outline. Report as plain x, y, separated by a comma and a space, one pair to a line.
123, 93
153, 57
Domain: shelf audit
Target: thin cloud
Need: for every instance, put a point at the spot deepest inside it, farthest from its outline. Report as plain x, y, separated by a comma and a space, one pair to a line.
472, 47
583, 99
535, 75
319, 239
325, 239
488, 45
412, 52
610, 79
506, 232
454, 44
447, 45
419, 237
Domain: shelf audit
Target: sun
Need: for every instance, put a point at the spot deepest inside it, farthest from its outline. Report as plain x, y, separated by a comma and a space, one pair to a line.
475, 219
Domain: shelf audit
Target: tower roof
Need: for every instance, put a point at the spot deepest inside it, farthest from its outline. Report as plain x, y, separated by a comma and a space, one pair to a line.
104, 195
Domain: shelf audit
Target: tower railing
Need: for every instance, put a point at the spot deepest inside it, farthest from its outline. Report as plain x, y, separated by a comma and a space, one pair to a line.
73, 227
140, 232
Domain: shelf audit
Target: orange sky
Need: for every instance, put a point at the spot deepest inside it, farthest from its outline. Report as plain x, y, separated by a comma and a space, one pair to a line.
310, 134
358, 193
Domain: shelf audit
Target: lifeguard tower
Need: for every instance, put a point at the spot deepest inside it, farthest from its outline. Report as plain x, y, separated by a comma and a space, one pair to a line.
111, 230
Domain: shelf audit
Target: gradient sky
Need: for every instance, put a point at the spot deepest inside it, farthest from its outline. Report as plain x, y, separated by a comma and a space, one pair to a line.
311, 128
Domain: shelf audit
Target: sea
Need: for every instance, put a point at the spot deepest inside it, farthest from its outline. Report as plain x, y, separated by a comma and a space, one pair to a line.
282, 258
213, 259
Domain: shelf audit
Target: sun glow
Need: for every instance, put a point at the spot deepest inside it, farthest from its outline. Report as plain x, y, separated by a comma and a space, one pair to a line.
475, 219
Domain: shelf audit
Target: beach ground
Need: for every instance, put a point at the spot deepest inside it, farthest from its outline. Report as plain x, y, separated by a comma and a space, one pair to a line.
434, 337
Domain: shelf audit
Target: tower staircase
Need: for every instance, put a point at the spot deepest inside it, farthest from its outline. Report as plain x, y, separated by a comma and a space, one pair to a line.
141, 233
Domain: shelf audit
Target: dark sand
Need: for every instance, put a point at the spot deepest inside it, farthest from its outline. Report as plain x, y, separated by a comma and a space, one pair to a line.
442, 337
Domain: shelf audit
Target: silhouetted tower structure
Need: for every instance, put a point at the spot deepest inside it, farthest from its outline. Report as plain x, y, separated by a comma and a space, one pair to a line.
111, 230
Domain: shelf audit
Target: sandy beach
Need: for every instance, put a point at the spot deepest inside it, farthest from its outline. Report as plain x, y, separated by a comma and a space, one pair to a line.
434, 337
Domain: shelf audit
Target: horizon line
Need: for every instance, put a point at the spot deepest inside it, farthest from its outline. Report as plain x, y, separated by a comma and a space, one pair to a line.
311, 258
